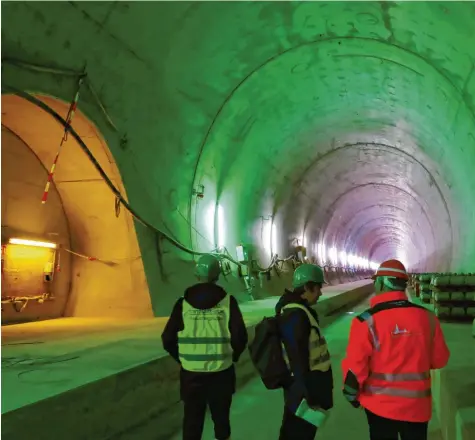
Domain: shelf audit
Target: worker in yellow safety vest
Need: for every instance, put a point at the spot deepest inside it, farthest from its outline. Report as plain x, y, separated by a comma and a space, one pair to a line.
309, 394
206, 335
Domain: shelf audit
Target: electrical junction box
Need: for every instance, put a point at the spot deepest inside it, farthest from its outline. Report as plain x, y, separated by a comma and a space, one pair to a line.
244, 256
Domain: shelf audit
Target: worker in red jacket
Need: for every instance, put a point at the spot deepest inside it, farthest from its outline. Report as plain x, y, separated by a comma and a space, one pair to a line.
391, 350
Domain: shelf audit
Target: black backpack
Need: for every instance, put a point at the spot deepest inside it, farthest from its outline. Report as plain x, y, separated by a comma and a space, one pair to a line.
266, 354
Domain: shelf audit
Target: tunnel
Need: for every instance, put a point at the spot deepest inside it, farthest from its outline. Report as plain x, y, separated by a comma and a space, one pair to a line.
267, 133
97, 263
343, 127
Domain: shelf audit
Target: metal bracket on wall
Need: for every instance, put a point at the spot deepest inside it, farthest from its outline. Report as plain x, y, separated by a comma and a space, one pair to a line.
199, 191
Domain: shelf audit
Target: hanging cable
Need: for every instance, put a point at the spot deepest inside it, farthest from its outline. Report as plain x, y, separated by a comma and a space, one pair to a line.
62, 72
40, 69
117, 207
103, 174
119, 199
116, 192
69, 118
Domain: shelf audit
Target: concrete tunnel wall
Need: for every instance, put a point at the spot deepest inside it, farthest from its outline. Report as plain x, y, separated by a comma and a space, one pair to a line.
350, 123
22, 178
79, 216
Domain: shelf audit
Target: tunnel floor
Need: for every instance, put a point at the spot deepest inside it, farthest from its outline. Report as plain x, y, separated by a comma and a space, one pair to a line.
256, 409
84, 350
46, 358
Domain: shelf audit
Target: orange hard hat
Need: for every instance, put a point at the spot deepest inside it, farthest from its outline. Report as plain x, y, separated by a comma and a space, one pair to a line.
391, 268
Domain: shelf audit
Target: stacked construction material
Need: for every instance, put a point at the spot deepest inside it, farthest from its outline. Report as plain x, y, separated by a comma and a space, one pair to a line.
424, 287
454, 296
413, 279
414, 283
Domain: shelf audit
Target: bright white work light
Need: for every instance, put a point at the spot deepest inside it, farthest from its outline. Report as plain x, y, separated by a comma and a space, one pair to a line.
32, 243
221, 229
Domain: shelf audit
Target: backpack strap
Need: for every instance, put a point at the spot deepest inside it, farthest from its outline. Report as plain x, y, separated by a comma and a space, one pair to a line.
313, 321
386, 306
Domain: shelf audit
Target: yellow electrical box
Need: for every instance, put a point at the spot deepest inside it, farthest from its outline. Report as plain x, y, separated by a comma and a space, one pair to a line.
25, 269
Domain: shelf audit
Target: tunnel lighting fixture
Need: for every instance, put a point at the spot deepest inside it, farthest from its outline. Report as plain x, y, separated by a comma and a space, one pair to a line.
373, 265
209, 221
267, 237
23, 242
274, 238
333, 254
322, 252
221, 229
343, 258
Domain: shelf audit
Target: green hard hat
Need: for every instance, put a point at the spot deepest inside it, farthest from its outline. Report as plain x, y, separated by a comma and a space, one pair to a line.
208, 267
307, 272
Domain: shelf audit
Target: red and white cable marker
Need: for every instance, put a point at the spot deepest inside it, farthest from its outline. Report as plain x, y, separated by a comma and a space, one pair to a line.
69, 117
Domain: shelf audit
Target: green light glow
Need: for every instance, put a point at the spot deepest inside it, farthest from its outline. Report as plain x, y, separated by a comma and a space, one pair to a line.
274, 249
221, 227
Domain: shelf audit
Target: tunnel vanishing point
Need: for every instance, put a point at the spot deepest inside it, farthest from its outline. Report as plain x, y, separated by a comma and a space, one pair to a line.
343, 127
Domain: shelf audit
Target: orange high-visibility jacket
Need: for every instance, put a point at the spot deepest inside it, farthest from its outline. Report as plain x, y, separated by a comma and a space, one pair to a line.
391, 350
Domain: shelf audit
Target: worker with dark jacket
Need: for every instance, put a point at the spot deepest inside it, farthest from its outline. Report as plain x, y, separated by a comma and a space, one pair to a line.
309, 394
391, 350
206, 335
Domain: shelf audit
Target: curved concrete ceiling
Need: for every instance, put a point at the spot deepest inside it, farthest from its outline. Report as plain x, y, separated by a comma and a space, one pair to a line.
351, 123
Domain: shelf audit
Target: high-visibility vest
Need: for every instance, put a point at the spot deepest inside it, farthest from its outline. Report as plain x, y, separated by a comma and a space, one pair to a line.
319, 356
413, 385
204, 344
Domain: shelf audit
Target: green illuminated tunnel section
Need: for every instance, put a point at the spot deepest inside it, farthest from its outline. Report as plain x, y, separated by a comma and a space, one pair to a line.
343, 124
359, 142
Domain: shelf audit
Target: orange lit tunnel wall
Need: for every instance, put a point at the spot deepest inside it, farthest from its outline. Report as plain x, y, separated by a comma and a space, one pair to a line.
23, 177
112, 286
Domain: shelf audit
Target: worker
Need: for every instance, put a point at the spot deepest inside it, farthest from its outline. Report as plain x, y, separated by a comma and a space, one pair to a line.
309, 392
391, 350
206, 335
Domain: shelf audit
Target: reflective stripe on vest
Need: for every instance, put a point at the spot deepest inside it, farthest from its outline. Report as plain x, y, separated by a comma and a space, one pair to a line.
370, 321
319, 356
402, 377
397, 392
204, 344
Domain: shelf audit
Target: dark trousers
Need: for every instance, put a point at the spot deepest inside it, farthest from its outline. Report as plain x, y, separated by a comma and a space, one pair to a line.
381, 428
195, 411
293, 427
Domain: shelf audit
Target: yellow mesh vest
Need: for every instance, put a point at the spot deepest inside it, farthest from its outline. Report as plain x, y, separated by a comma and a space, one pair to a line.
319, 356
204, 344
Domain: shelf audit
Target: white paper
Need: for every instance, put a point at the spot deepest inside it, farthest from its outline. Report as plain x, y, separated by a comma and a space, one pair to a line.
317, 417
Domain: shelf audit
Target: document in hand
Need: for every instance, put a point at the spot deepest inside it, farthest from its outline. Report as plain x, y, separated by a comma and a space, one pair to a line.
317, 417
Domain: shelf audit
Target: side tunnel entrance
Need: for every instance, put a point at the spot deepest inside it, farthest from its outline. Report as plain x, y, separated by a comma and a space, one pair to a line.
81, 257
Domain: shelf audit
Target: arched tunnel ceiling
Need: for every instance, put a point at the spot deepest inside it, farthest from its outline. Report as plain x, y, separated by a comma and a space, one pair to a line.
351, 122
